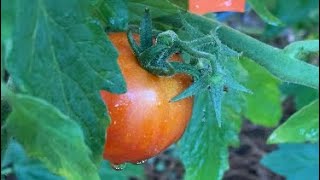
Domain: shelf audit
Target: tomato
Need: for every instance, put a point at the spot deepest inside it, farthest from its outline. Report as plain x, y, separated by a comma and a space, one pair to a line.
143, 121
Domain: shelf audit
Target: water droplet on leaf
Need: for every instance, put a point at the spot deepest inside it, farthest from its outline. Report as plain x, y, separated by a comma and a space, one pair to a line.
141, 162
118, 167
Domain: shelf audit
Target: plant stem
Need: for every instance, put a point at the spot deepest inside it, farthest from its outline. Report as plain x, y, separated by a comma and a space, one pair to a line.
273, 59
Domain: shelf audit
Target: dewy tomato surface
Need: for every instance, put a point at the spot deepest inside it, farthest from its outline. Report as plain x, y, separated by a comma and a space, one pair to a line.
143, 121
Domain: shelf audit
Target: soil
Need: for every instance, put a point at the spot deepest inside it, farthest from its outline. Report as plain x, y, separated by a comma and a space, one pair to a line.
244, 160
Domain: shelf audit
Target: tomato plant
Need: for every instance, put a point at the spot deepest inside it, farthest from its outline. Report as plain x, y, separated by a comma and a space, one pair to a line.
143, 120
75, 101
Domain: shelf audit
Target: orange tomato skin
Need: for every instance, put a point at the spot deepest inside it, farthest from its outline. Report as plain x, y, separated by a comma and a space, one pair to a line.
143, 121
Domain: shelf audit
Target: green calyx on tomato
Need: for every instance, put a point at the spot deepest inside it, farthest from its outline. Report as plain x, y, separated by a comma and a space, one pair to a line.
155, 58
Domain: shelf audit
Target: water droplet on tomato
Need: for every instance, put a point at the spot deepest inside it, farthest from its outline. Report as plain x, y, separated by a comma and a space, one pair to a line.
228, 3
118, 167
141, 162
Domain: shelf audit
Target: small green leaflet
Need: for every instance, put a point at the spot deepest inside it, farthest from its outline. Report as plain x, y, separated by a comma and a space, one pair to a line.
5, 111
113, 14
306, 15
193, 89
302, 95
204, 145
264, 105
7, 19
2, 61
181, 3
303, 126
300, 49
158, 9
62, 55
50, 136
260, 8
16, 162
294, 161
7, 22
216, 96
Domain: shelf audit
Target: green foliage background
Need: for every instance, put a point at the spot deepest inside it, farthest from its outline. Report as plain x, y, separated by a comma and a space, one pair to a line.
59, 58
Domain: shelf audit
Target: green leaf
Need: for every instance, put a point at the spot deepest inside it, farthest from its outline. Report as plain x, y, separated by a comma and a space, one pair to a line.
193, 89
260, 8
294, 161
5, 111
264, 105
7, 21
158, 9
145, 31
302, 95
16, 162
2, 61
106, 172
302, 126
300, 49
7, 18
4, 140
232, 83
50, 136
13, 154
204, 145
63, 56
216, 96
113, 14
181, 3
298, 12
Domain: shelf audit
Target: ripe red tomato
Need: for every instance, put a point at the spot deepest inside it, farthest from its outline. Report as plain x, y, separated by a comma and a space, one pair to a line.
143, 121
